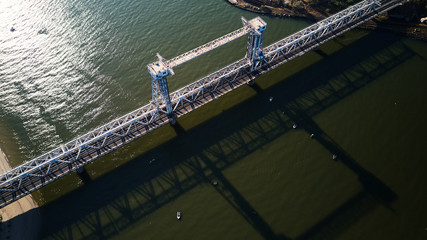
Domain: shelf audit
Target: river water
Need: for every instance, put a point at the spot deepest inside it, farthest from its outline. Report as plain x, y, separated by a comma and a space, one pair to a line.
235, 168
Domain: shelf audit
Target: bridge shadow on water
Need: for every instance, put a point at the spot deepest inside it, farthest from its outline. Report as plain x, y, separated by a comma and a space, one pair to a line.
200, 155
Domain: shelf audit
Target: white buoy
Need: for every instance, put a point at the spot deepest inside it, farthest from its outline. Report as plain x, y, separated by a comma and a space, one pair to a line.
294, 126
312, 135
271, 99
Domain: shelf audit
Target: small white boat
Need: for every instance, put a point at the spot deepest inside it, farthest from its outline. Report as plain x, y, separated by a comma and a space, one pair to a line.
178, 215
42, 31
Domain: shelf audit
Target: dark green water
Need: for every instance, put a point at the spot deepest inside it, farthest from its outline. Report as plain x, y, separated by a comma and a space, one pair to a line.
363, 97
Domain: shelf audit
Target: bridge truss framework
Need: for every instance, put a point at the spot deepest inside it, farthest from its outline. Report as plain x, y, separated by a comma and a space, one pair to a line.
71, 156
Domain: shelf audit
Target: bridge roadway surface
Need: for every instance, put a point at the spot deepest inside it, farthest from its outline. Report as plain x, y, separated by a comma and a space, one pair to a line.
34, 181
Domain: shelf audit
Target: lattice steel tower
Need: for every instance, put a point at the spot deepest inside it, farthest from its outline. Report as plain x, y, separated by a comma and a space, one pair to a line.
160, 69
255, 52
159, 86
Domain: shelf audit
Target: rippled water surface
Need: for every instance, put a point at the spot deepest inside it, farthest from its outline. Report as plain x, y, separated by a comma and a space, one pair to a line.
235, 168
89, 67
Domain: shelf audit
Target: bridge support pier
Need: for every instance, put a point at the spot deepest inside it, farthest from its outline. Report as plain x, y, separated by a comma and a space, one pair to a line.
172, 119
83, 175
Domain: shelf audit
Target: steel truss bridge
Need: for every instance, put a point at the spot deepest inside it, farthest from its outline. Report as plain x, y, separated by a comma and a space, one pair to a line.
165, 107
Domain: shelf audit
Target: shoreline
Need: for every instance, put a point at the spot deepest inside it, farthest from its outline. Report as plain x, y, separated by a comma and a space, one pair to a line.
20, 219
413, 30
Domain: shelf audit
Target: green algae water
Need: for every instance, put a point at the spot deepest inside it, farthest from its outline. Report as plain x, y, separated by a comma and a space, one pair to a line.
235, 168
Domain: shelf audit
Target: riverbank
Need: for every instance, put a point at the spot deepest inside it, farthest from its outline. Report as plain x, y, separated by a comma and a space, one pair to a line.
21, 219
383, 23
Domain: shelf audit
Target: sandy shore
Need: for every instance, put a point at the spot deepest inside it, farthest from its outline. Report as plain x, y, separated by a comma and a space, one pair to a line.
21, 219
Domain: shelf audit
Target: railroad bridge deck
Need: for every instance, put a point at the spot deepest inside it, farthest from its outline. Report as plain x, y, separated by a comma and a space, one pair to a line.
165, 108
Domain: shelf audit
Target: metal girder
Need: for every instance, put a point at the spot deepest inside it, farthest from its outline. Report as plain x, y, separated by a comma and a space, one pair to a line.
254, 26
143, 116
313, 36
185, 57
209, 83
